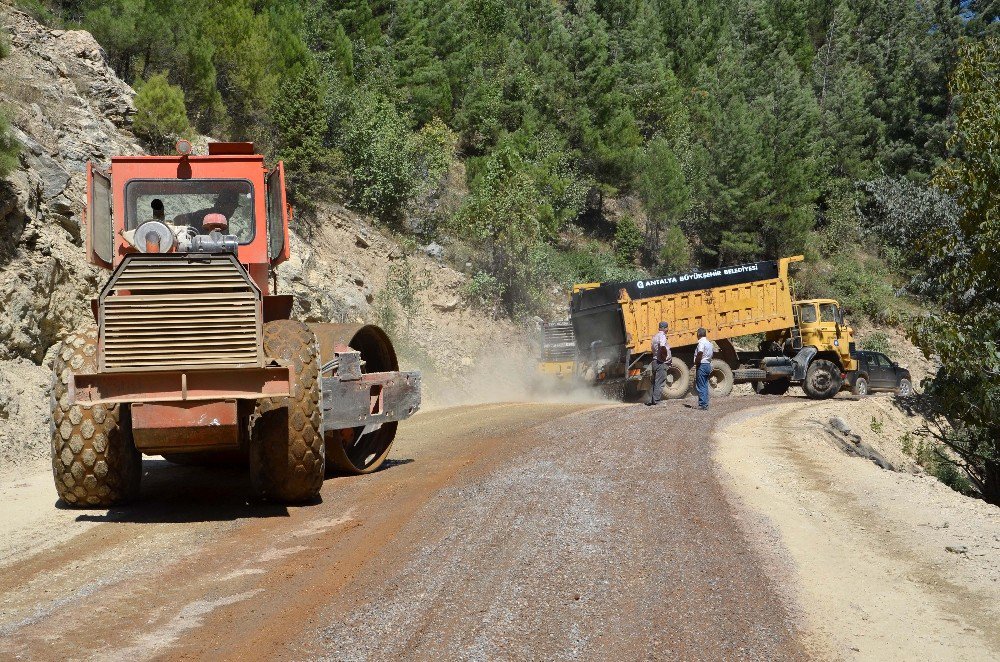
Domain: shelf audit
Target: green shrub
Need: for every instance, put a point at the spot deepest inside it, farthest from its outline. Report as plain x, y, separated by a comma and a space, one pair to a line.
928, 454
9, 148
877, 341
675, 251
4, 44
590, 264
160, 116
485, 291
628, 240
376, 142
398, 299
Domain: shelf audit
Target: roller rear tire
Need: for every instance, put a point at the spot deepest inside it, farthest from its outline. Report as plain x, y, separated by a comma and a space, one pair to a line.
94, 460
287, 452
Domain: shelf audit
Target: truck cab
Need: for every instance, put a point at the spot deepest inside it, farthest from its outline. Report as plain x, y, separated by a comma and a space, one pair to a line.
820, 324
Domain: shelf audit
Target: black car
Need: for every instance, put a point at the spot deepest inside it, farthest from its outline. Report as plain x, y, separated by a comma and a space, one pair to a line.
877, 372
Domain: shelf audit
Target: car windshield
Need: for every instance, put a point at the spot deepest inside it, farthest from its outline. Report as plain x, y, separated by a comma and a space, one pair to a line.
828, 312
807, 313
188, 201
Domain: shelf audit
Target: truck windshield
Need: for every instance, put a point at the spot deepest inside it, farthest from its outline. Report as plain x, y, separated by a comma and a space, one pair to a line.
807, 314
188, 201
828, 312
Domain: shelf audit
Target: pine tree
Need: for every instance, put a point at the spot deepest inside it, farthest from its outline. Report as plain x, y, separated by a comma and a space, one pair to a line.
300, 123
160, 115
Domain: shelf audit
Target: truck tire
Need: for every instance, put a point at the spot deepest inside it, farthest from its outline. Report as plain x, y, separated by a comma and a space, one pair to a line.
721, 378
822, 380
287, 453
860, 387
774, 387
678, 380
94, 460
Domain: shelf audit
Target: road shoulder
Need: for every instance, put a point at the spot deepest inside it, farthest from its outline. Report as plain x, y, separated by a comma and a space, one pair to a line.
874, 577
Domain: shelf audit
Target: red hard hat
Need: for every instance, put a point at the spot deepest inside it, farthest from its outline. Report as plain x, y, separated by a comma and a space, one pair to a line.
215, 222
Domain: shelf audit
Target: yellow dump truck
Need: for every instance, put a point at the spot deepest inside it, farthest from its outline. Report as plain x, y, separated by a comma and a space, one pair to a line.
804, 342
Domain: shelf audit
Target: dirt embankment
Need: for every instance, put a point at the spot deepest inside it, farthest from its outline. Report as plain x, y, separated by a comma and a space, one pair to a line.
888, 565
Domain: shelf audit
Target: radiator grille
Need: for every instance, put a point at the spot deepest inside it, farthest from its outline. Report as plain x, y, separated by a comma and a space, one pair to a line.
558, 342
173, 312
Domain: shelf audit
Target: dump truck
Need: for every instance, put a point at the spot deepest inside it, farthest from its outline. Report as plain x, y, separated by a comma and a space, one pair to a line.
194, 355
804, 343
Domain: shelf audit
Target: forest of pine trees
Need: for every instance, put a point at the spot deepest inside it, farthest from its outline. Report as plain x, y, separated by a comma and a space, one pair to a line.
741, 125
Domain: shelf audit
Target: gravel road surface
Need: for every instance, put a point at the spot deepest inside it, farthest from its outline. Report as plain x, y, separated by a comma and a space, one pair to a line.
510, 531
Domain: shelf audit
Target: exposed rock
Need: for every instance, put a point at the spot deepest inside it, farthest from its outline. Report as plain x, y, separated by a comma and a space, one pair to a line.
840, 425
66, 107
361, 241
448, 305
434, 250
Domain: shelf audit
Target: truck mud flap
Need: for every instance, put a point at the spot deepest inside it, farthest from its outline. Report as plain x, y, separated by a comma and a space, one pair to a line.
375, 398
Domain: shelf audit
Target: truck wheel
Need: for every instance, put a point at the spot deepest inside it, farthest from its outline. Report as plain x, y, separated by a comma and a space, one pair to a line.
773, 387
905, 387
721, 378
860, 387
94, 460
678, 380
287, 454
822, 380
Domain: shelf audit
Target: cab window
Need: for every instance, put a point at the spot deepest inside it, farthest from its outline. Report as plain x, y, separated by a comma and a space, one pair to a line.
828, 312
188, 201
807, 314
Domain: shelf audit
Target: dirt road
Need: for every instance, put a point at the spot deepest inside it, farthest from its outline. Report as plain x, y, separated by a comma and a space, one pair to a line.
496, 531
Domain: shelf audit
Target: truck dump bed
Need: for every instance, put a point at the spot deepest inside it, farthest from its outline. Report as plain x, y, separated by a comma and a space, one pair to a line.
729, 302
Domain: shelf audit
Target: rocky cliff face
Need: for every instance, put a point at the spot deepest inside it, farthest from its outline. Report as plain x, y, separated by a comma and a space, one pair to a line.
66, 107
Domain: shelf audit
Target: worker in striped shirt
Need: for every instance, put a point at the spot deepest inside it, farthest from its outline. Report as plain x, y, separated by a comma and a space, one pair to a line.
661, 361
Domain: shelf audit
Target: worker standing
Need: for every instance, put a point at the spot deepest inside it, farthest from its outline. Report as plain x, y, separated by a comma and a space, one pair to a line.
661, 361
703, 361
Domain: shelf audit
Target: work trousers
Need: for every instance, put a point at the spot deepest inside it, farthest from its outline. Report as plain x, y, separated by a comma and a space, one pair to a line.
659, 379
701, 384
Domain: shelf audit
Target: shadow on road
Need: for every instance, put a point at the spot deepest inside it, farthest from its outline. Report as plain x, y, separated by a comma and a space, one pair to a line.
174, 493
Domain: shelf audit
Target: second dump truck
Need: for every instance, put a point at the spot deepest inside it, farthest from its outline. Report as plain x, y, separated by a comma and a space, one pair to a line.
606, 341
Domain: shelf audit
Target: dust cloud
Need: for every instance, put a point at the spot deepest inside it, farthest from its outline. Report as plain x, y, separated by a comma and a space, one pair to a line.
500, 374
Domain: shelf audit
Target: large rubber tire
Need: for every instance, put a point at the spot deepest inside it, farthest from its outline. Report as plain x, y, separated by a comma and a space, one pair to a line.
721, 378
94, 460
860, 387
822, 380
287, 453
905, 387
774, 387
681, 374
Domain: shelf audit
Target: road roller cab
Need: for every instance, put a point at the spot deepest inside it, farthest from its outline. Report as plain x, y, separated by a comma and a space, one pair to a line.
193, 353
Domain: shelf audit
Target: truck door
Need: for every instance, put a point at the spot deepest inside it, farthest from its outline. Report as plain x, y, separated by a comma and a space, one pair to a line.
882, 374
